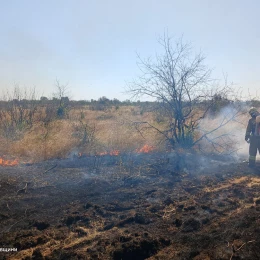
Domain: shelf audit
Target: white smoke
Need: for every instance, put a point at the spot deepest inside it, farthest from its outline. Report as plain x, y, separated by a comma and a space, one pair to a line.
226, 131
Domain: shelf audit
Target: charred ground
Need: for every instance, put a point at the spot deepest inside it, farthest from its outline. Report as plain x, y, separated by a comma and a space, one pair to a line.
132, 207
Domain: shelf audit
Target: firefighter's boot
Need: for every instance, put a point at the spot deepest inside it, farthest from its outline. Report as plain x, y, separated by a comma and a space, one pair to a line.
251, 163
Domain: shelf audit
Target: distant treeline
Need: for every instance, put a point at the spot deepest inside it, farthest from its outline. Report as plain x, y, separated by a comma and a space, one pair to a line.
104, 103
101, 104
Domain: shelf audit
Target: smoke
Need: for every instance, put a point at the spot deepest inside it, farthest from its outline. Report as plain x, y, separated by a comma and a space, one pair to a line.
225, 131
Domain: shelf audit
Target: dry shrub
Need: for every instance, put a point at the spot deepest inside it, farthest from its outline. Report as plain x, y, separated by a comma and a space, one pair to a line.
42, 143
121, 133
114, 129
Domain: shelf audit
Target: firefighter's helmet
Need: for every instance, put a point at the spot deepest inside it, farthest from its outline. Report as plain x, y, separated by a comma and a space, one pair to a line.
253, 111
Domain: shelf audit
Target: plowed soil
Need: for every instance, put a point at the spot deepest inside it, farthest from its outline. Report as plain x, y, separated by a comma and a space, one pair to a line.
146, 208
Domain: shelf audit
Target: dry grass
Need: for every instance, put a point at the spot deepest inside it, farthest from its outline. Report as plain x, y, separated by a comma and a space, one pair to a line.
111, 130
92, 132
37, 144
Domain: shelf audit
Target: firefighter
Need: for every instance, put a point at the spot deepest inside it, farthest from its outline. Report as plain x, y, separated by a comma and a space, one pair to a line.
253, 135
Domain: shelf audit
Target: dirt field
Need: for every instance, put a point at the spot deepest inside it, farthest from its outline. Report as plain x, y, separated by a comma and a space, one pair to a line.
132, 207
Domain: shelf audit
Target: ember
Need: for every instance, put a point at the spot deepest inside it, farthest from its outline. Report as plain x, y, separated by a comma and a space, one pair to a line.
4, 162
115, 152
146, 149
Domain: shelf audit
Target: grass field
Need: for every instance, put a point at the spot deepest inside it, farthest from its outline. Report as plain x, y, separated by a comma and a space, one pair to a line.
83, 131
114, 130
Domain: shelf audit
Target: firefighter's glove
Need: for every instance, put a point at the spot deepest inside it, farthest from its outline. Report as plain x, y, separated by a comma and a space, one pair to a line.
247, 138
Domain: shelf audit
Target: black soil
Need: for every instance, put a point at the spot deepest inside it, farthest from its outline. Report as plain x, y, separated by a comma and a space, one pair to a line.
82, 210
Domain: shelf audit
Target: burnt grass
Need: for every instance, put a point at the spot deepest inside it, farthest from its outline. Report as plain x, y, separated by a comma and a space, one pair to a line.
135, 207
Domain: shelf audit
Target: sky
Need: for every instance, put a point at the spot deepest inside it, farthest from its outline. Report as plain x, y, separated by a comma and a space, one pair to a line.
92, 45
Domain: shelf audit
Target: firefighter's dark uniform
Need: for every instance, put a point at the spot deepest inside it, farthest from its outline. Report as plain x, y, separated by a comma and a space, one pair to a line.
254, 141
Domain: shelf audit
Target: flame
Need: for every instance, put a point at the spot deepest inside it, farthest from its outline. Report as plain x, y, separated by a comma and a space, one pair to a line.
115, 152
4, 162
146, 149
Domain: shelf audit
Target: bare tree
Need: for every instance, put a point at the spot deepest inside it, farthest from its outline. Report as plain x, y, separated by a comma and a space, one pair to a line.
61, 94
181, 84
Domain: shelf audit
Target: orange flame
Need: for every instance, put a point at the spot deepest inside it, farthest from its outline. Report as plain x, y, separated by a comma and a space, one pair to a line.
115, 152
8, 162
146, 149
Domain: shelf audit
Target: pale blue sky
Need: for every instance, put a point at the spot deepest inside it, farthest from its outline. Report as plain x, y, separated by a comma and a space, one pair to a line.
92, 45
